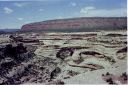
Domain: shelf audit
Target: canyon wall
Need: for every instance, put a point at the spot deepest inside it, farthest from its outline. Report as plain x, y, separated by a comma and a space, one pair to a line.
79, 24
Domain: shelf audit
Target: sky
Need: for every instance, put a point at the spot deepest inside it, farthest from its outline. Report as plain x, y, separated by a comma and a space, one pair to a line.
15, 13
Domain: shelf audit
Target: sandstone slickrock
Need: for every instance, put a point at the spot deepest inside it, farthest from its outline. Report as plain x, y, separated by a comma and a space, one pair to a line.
40, 64
114, 79
21, 39
122, 53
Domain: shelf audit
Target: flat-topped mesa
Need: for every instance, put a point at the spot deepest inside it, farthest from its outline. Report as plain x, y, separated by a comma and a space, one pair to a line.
79, 24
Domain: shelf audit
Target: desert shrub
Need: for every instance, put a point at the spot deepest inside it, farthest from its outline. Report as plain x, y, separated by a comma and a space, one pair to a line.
20, 49
8, 65
14, 52
55, 72
10, 50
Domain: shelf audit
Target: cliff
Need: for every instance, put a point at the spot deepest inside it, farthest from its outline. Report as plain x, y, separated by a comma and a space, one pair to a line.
79, 24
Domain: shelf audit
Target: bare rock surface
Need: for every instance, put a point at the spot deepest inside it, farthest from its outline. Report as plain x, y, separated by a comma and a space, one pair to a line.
78, 24
67, 60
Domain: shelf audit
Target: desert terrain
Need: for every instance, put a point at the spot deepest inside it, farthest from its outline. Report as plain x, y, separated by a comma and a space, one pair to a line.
64, 58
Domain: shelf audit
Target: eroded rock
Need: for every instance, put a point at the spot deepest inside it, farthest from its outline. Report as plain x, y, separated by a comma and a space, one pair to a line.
64, 53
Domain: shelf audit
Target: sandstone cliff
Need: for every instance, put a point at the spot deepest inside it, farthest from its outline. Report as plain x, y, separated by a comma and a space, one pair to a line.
79, 24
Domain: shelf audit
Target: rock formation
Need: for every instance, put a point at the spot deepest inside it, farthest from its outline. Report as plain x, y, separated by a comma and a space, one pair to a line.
78, 24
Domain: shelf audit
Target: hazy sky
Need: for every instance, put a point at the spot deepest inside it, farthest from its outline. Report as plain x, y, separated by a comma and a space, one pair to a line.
13, 14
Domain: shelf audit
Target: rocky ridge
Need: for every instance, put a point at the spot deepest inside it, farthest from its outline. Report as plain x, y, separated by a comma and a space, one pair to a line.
78, 24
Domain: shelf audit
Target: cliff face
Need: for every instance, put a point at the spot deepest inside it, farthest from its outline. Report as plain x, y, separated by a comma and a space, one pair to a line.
78, 24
